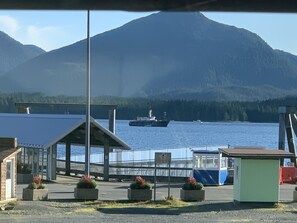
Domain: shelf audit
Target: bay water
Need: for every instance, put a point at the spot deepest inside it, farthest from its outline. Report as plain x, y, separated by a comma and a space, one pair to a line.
188, 135
196, 134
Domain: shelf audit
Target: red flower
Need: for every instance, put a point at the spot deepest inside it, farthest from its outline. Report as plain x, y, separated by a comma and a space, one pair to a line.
191, 181
140, 180
37, 180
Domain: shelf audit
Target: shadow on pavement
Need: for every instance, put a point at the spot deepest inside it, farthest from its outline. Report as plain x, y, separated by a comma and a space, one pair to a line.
195, 208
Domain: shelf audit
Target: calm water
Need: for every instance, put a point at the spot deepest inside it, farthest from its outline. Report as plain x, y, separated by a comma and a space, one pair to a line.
194, 134
189, 135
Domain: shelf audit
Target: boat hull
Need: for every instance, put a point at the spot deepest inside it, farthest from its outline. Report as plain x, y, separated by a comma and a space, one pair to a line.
149, 123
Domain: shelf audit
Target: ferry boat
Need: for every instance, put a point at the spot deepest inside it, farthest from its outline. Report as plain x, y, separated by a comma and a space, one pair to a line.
149, 121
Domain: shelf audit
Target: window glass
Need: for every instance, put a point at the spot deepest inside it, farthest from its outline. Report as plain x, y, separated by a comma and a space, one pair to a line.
8, 170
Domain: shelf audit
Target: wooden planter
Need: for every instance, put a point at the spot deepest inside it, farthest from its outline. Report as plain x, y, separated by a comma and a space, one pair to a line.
24, 178
295, 196
35, 194
139, 194
86, 193
192, 195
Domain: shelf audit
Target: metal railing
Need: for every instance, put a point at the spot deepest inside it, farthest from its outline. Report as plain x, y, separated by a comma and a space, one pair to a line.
128, 164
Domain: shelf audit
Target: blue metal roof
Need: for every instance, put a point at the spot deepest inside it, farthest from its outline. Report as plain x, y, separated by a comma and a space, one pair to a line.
44, 130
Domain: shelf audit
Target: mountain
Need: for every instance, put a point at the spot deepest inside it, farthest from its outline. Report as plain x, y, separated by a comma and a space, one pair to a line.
181, 55
13, 53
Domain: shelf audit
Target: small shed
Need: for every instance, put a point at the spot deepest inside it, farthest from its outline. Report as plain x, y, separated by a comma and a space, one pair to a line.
8, 162
256, 173
209, 167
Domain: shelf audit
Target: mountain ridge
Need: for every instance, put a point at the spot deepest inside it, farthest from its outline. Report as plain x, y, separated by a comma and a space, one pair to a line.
14, 53
165, 55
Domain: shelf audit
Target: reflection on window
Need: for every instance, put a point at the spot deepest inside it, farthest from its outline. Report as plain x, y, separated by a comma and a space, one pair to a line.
209, 161
223, 162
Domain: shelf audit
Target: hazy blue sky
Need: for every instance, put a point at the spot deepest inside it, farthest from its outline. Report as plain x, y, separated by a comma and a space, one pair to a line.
54, 29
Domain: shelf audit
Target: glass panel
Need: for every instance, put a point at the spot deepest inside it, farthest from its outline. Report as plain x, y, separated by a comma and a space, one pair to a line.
8, 170
223, 162
206, 162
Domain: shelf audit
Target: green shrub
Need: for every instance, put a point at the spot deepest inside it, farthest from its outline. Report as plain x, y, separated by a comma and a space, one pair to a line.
86, 182
139, 184
36, 184
191, 184
32, 185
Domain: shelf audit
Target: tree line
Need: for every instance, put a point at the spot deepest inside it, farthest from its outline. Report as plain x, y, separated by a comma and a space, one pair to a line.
178, 110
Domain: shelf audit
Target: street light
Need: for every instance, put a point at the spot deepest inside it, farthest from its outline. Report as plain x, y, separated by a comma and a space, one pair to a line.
88, 103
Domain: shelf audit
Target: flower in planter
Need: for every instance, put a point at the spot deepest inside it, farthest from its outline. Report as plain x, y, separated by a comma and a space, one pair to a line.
35, 191
191, 184
86, 182
37, 183
139, 183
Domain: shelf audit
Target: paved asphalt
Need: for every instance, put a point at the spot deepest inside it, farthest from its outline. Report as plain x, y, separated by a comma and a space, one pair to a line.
218, 206
63, 189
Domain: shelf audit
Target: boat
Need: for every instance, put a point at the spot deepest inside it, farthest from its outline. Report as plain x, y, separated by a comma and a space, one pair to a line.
149, 121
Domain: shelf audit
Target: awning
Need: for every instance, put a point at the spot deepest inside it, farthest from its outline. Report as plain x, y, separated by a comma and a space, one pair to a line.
6, 154
256, 153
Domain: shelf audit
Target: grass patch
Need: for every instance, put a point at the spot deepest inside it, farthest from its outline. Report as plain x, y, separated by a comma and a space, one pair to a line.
167, 203
279, 207
12, 203
85, 210
8, 206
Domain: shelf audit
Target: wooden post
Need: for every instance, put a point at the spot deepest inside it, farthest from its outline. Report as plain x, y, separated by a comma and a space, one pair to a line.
290, 137
67, 160
106, 160
281, 133
111, 116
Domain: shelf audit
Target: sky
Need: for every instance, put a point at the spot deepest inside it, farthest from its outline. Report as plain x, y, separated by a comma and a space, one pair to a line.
55, 29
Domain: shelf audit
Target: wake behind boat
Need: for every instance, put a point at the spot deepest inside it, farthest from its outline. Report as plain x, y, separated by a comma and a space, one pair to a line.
149, 121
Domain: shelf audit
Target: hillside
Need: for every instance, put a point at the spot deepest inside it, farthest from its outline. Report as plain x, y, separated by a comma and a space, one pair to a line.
168, 55
13, 53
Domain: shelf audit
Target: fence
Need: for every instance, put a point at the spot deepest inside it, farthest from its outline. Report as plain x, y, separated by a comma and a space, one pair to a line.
127, 164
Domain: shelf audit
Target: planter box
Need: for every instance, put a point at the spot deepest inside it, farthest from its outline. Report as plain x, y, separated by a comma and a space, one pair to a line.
295, 196
24, 178
192, 195
35, 194
86, 193
139, 194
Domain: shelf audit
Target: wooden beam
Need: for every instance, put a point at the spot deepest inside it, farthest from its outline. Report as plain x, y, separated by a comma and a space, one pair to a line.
68, 155
282, 134
290, 137
22, 105
106, 160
